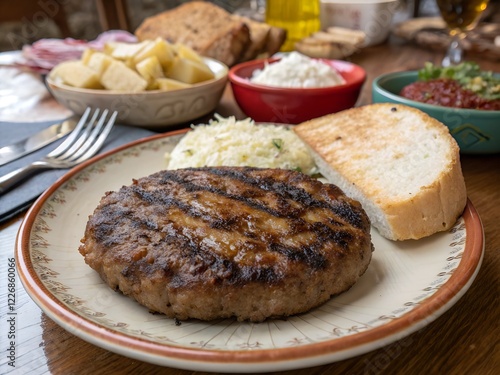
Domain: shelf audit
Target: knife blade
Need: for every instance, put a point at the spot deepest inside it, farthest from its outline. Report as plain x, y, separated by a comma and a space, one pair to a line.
36, 141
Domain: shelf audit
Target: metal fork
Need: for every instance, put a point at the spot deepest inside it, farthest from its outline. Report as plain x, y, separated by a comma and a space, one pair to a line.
81, 144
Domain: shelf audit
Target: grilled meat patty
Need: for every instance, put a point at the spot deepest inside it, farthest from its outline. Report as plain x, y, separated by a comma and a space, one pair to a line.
220, 242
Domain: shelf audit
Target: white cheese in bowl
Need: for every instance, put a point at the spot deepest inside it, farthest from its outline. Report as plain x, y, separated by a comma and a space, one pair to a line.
296, 70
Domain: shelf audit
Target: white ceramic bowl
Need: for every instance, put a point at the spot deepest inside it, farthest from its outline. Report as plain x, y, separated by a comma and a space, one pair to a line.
374, 17
150, 109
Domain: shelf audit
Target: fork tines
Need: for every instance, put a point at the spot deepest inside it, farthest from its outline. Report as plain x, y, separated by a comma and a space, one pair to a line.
87, 137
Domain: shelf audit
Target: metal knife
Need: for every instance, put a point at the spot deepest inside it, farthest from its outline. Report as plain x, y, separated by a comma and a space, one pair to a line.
36, 141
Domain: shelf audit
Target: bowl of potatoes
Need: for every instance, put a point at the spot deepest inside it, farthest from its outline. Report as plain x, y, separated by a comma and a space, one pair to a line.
151, 84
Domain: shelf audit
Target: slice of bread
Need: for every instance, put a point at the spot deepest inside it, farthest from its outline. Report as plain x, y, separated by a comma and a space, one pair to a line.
259, 35
401, 164
334, 43
205, 27
276, 39
213, 32
265, 40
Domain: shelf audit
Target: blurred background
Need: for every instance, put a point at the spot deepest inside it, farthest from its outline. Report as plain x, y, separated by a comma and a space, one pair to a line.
25, 21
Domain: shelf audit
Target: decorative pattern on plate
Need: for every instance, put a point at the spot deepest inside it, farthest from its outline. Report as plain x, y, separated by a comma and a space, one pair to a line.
402, 277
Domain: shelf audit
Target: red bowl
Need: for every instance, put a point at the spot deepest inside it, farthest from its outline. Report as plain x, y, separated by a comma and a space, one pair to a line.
294, 105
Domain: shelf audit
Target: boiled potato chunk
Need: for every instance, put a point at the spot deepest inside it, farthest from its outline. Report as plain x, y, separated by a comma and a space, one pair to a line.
188, 53
109, 47
147, 65
171, 84
126, 51
77, 74
121, 78
86, 55
99, 62
189, 71
160, 48
150, 69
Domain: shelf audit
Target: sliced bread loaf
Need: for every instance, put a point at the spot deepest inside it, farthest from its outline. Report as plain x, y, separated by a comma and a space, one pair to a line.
259, 35
401, 164
205, 27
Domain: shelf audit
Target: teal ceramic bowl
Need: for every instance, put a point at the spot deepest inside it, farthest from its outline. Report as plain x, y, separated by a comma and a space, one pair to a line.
476, 131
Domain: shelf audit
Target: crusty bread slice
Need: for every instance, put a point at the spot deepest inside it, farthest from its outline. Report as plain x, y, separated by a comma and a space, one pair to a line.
259, 35
324, 49
401, 164
265, 40
334, 43
276, 39
205, 27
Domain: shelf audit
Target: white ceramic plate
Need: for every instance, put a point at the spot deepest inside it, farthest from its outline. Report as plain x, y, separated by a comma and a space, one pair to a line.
407, 285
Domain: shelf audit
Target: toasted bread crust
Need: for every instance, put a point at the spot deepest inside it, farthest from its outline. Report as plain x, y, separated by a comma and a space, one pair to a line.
259, 36
401, 164
277, 37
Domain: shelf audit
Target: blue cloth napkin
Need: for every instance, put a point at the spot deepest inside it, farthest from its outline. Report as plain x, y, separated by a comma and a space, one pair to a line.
23, 195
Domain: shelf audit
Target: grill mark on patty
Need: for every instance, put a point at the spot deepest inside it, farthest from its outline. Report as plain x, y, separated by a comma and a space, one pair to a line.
279, 189
201, 261
187, 232
248, 199
284, 192
233, 223
202, 258
227, 268
288, 192
308, 254
105, 227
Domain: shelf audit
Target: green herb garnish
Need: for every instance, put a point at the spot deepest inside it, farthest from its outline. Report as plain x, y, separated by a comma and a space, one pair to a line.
468, 75
278, 143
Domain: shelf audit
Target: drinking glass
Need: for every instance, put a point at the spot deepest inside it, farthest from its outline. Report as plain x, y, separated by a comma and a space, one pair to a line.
461, 16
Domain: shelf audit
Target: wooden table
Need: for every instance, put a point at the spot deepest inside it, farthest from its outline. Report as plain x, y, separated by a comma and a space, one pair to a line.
462, 341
